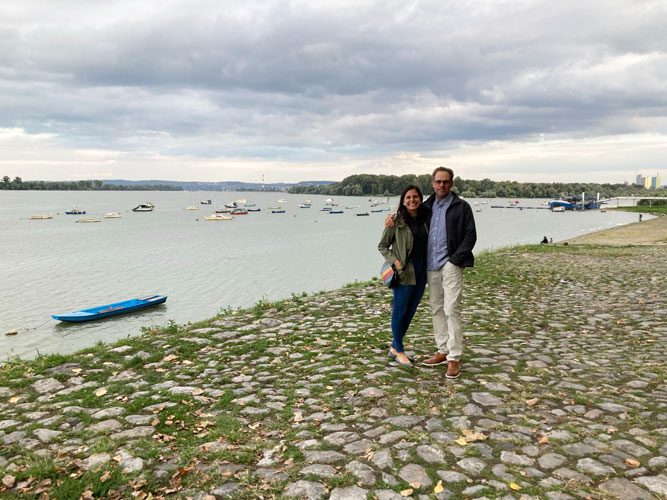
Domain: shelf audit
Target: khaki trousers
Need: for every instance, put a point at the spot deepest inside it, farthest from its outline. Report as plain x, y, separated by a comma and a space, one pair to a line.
446, 289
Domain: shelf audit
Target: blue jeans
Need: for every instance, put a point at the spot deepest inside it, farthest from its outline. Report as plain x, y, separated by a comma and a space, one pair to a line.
406, 300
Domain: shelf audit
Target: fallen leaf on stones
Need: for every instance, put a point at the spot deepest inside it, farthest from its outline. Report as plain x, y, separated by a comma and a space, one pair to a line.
117, 458
462, 441
100, 392
197, 391
160, 370
289, 461
515, 486
544, 440
416, 485
105, 477
631, 462
439, 488
8, 481
187, 362
15, 399
472, 436
407, 493
76, 371
369, 454
155, 422
298, 416
171, 357
611, 430
532, 402
87, 495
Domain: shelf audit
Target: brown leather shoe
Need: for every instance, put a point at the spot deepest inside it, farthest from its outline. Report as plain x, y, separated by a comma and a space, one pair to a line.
437, 359
453, 369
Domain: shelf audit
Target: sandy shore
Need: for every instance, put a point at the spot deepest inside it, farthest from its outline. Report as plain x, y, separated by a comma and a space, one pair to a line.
649, 232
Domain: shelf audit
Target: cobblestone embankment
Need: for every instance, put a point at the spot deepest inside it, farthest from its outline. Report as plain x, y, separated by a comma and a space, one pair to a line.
562, 395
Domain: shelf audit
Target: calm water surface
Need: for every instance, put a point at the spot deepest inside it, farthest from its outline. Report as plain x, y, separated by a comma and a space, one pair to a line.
58, 265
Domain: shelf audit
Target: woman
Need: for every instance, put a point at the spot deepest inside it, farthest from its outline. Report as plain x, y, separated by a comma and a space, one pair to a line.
404, 246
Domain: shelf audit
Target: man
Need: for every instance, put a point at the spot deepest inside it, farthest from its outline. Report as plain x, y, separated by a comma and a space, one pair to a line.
452, 236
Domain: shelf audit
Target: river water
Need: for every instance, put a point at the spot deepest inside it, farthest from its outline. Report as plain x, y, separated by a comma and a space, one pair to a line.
58, 265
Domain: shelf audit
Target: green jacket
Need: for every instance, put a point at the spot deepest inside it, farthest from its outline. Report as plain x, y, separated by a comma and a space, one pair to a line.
396, 244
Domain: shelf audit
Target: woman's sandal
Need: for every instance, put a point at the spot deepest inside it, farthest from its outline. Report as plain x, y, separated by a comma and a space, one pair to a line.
408, 363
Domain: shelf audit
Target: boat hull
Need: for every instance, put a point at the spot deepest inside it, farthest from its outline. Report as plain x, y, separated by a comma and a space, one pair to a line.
115, 309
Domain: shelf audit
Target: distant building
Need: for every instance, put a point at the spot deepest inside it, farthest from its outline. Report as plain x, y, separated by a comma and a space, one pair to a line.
655, 182
648, 182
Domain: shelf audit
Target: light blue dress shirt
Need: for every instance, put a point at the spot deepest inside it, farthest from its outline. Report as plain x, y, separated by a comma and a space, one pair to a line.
436, 253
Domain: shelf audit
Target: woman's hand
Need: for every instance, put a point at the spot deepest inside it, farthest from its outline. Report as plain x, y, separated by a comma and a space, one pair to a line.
398, 266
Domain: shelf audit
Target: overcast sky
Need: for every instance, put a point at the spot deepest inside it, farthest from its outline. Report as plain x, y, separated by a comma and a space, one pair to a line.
216, 90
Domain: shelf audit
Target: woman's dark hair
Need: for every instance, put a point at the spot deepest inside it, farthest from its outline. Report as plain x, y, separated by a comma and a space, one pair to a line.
402, 211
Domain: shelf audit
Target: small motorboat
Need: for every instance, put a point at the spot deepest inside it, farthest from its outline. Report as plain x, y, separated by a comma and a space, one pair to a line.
41, 216
336, 211
114, 309
112, 215
75, 211
192, 207
282, 200
205, 202
362, 214
254, 209
305, 205
277, 211
239, 211
144, 207
91, 219
217, 216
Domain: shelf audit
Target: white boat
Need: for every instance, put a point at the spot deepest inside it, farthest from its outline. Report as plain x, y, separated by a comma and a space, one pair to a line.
241, 201
192, 207
217, 216
41, 216
305, 205
75, 211
112, 215
144, 207
92, 219
558, 209
282, 200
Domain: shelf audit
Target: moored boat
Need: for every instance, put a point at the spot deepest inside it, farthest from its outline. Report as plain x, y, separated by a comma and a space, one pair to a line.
239, 211
205, 202
114, 309
91, 219
144, 207
75, 211
41, 216
217, 216
112, 215
192, 207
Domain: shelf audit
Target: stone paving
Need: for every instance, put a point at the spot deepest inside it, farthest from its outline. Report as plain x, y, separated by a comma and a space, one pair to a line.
562, 395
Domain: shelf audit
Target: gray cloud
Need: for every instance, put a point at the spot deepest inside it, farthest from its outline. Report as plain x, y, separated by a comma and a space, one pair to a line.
314, 82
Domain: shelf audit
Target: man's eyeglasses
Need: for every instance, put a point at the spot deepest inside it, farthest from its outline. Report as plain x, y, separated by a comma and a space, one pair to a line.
442, 182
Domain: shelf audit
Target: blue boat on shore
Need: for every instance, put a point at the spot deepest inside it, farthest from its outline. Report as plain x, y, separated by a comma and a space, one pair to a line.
124, 307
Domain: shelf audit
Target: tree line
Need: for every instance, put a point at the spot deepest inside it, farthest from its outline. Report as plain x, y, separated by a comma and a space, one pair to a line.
18, 184
392, 185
